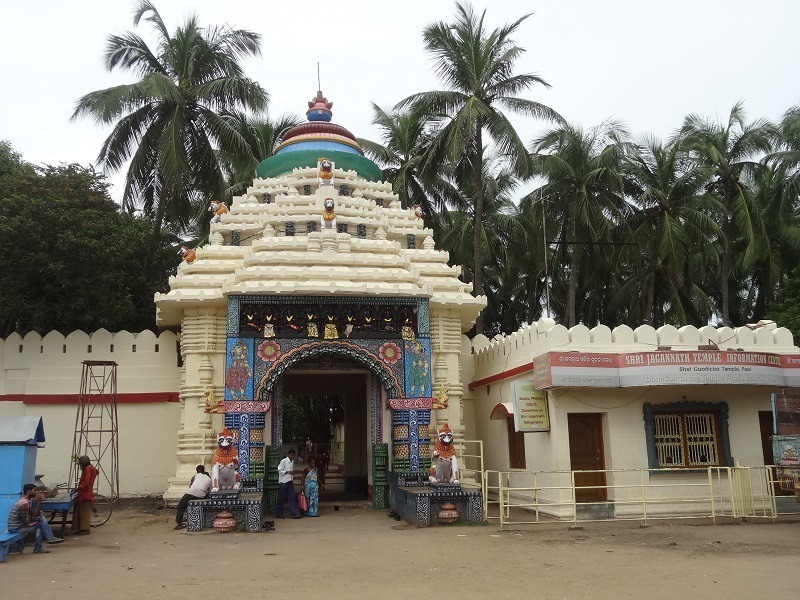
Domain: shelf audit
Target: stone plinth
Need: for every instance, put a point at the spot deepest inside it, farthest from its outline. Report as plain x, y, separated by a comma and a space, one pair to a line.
418, 503
201, 513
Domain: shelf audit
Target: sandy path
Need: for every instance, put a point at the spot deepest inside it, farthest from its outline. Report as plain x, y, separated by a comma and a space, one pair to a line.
362, 553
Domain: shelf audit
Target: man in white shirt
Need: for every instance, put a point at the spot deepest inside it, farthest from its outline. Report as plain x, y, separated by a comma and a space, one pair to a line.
199, 487
286, 489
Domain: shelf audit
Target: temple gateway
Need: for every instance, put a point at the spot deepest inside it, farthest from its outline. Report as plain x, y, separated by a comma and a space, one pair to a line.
317, 280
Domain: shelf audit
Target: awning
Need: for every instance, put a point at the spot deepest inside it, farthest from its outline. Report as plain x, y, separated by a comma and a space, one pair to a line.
502, 411
21, 430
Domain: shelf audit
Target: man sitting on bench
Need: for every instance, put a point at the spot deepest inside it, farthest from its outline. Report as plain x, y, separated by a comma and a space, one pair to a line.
22, 517
199, 487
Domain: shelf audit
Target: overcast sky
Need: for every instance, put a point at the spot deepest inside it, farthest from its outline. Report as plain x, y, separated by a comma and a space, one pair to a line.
648, 63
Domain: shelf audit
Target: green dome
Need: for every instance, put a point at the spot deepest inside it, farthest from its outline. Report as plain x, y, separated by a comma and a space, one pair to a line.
280, 164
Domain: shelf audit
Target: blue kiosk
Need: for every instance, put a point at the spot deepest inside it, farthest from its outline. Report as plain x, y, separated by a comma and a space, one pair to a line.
19, 440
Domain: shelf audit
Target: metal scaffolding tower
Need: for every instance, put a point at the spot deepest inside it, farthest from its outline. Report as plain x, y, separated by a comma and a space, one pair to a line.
96, 426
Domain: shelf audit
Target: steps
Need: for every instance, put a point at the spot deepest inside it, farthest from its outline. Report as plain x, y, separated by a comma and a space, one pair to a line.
334, 479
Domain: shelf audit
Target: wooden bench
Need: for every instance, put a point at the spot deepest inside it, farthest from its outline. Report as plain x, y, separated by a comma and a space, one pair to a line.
11, 542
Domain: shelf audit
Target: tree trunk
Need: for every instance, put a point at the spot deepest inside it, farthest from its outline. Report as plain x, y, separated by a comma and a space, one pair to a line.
649, 313
724, 273
573, 289
477, 229
158, 221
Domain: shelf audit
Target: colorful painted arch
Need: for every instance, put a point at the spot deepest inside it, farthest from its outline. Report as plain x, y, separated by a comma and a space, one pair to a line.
394, 386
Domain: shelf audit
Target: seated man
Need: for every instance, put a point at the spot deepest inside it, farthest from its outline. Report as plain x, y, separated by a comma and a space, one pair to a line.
20, 518
36, 515
199, 487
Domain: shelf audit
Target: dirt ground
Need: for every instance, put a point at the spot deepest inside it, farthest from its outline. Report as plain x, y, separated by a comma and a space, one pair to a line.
359, 553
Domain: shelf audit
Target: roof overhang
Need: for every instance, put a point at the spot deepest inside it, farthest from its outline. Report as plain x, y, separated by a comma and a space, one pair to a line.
502, 411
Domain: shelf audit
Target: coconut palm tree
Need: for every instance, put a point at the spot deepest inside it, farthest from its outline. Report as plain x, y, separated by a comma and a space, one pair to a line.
729, 153
582, 170
406, 136
501, 235
171, 122
786, 155
477, 67
775, 194
673, 229
531, 258
262, 135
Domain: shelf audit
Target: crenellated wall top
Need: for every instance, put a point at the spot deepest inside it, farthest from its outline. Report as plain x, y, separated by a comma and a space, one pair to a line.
533, 340
52, 363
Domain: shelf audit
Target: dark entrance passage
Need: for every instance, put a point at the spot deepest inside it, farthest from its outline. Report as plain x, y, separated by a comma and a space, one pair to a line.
327, 415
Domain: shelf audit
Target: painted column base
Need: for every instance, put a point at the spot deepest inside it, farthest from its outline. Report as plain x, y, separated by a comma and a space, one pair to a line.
418, 503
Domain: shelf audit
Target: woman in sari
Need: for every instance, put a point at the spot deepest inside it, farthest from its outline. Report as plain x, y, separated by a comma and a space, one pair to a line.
311, 489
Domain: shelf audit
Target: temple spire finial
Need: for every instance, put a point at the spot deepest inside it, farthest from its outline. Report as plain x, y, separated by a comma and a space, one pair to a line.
319, 109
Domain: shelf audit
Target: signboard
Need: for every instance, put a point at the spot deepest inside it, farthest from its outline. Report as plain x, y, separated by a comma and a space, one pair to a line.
791, 369
530, 407
786, 450
680, 367
787, 414
542, 372
583, 369
701, 367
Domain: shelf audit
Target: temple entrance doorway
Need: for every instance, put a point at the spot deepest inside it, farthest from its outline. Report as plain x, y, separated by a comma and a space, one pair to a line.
327, 415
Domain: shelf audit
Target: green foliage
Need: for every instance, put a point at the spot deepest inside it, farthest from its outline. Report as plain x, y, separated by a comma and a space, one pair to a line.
786, 313
407, 135
476, 66
174, 124
76, 261
311, 417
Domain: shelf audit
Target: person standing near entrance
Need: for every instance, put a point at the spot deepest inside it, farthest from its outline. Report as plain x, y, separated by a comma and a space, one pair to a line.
311, 488
286, 489
84, 500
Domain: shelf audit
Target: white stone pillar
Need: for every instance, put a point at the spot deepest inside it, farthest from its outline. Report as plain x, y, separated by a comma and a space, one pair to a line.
445, 356
203, 335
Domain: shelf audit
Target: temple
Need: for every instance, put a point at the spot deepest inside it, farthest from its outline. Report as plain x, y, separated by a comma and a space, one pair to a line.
318, 280
317, 283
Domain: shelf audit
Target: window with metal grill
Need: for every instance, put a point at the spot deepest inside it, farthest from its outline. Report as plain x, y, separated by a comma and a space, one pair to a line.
686, 440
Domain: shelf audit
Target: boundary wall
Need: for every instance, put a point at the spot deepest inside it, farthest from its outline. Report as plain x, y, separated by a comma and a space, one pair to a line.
504, 353
41, 375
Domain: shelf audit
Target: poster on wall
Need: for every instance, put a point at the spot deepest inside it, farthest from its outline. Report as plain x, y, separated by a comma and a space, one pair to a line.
418, 368
530, 407
787, 414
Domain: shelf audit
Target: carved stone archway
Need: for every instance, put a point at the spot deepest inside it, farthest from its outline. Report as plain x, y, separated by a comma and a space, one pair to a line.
266, 384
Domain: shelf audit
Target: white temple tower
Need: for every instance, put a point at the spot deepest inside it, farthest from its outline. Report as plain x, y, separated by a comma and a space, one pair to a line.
314, 284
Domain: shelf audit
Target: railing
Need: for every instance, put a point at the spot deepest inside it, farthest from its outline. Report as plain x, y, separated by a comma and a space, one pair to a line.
630, 494
470, 465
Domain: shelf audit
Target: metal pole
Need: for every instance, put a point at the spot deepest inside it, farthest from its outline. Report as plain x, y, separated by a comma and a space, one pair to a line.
644, 497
